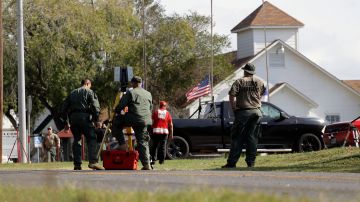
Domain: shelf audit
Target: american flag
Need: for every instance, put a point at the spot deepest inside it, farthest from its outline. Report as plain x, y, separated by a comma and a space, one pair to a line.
203, 88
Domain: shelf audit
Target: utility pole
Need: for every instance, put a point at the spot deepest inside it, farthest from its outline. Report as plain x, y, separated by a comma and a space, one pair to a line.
144, 44
21, 82
1, 82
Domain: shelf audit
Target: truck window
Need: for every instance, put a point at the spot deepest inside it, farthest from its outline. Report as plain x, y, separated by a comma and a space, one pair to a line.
270, 112
209, 112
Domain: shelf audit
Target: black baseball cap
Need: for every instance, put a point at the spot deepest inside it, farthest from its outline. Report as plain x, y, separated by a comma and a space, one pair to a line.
136, 79
249, 68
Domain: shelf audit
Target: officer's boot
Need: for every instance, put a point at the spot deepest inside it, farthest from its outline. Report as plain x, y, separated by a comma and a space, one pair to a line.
146, 167
250, 164
77, 167
228, 166
96, 166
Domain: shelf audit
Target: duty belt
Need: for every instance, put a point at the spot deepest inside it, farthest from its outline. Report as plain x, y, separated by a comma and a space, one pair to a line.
79, 111
244, 109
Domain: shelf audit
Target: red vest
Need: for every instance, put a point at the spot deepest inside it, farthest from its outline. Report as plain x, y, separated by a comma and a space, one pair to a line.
161, 119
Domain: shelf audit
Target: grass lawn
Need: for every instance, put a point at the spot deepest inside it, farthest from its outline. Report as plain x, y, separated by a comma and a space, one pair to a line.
10, 194
328, 160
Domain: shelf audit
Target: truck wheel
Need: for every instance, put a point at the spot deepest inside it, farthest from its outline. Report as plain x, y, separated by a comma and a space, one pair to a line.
177, 148
308, 142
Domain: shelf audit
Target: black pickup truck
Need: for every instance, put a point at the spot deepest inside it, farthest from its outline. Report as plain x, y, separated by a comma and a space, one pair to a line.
212, 132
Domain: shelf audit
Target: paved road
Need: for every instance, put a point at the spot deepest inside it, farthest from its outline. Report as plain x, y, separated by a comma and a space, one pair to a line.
331, 186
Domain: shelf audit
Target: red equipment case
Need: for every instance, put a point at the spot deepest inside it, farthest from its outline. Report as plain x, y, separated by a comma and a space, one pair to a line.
120, 160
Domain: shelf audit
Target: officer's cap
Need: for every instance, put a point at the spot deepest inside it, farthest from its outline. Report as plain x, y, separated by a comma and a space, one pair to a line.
136, 79
249, 68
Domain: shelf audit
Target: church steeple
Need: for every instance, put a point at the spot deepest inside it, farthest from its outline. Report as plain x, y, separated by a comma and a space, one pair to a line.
267, 15
279, 26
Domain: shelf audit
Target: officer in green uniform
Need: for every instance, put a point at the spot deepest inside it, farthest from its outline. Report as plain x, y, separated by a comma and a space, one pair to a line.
245, 100
139, 103
51, 144
83, 109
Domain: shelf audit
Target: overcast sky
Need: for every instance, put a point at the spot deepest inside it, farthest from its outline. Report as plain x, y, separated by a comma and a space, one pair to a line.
330, 37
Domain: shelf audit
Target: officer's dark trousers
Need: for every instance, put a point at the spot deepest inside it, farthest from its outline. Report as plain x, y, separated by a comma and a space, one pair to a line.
142, 138
245, 131
80, 124
50, 154
141, 134
117, 129
159, 144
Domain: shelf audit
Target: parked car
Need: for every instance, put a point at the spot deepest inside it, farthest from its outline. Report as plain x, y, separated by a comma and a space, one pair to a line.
342, 134
279, 131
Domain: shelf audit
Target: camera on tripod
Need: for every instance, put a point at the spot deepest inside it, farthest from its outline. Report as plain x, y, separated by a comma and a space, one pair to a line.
124, 76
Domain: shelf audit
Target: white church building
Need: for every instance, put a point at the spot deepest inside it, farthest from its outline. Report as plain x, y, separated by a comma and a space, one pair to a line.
297, 85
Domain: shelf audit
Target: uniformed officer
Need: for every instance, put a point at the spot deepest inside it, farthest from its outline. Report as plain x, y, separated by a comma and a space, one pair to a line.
51, 145
83, 109
139, 103
245, 100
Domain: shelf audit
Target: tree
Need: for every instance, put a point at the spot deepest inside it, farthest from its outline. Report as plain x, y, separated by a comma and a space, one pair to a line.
179, 51
10, 59
68, 40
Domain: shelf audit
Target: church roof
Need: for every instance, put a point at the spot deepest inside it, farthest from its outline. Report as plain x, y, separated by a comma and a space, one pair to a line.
279, 86
355, 84
267, 15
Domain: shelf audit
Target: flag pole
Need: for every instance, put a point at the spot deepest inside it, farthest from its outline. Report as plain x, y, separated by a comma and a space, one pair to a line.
266, 58
211, 75
212, 63
212, 56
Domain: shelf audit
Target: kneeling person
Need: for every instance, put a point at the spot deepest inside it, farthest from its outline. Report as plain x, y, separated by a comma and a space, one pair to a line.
139, 103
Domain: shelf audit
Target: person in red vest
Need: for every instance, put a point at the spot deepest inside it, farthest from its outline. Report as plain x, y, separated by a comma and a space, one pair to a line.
162, 130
